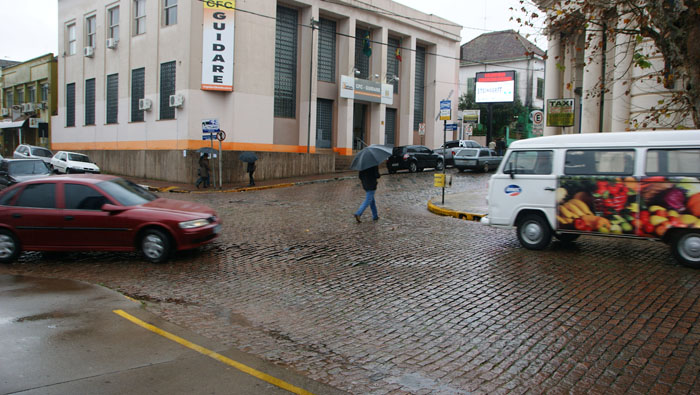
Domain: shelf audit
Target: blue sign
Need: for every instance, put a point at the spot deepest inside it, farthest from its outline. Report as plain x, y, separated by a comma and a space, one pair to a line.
445, 110
450, 127
209, 136
210, 126
513, 190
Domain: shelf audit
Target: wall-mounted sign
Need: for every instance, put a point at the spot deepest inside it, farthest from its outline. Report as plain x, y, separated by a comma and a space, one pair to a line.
560, 112
217, 45
495, 87
371, 91
471, 116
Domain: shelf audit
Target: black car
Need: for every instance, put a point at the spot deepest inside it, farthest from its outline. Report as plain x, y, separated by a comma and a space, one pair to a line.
13, 171
413, 158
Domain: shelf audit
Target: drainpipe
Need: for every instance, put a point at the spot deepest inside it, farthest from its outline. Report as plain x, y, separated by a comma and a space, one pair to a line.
601, 119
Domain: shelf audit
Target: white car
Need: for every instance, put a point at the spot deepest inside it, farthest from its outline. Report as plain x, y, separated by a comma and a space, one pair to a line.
72, 162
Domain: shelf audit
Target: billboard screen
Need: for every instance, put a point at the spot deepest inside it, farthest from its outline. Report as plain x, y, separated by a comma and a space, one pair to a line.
495, 87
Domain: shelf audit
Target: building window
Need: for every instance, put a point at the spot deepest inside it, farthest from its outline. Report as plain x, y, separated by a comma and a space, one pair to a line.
31, 94
20, 96
90, 31
45, 92
392, 62
326, 50
286, 63
90, 101
70, 39
471, 86
70, 104
169, 12
361, 59
9, 99
540, 88
167, 88
419, 102
112, 98
139, 17
138, 81
113, 23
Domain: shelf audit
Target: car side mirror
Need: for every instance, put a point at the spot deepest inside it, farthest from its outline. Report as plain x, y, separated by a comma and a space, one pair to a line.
510, 170
112, 209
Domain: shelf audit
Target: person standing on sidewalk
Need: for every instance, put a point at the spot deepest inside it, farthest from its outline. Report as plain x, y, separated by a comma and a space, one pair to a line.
203, 171
251, 169
369, 178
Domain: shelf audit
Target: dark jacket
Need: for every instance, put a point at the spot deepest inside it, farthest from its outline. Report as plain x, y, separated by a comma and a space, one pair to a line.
369, 178
204, 166
251, 167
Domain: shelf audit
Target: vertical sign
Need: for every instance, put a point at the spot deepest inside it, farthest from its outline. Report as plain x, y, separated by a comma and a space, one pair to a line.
217, 45
445, 110
560, 112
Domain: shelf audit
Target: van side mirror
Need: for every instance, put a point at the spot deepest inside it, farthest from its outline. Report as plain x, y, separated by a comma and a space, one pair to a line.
510, 170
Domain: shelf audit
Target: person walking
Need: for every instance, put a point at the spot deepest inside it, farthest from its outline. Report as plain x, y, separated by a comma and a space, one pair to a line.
369, 178
203, 171
492, 145
251, 169
500, 146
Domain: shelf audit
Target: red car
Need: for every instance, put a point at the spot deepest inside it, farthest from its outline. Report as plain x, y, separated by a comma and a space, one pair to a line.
99, 213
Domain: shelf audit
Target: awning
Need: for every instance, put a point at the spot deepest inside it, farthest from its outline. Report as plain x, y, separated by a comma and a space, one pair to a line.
10, 125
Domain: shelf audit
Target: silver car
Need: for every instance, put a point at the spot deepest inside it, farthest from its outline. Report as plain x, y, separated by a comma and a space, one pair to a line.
26, 151
482, 159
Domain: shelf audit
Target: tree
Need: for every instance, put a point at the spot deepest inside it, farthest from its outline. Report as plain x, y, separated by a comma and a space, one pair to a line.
504, 114
672, 26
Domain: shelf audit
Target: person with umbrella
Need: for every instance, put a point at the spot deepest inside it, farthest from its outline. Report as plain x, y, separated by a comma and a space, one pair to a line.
203, 171
250, 158
367, 162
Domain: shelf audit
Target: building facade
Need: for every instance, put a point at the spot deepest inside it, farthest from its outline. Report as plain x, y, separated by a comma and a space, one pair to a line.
279, 77
595, 68
28, 101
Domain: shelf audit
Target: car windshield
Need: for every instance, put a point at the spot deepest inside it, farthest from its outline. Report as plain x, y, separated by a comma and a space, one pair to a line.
26, 167
41, 152
78, 158
126, 192
467, 152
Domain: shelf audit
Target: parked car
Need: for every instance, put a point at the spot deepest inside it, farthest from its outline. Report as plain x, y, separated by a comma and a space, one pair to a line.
483, 159
451, 147
96, 212
13, 171
413, 158
25, 151
72, 162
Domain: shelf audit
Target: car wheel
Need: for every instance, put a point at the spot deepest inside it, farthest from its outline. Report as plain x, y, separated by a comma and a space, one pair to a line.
460, 169
439, 165
685, 247
391, 171
534, 232
155, 245
412, 167
9, 247
486, 167
566, 237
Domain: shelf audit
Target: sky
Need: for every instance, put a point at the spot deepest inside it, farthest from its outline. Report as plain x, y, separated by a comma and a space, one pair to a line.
29, 28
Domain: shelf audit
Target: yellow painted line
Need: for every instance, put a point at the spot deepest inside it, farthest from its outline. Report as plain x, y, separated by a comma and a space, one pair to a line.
243, 368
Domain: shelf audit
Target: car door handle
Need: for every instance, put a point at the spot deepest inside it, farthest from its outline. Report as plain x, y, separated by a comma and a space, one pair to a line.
68, 217
550, 189
16, 215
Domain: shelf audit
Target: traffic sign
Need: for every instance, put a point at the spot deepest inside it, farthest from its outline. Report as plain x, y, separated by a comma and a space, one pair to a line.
450, 127
209, 136
537, 117
210, 126
445, 110
421, 129
221, 136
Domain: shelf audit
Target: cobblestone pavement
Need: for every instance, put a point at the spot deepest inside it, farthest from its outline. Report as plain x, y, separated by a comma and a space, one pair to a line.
417, 303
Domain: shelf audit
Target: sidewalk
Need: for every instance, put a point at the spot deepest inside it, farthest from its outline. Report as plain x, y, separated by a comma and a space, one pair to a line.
464, 205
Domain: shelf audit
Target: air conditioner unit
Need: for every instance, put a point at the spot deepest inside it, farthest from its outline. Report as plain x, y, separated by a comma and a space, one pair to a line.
145, 104
89, 52
112, 43
28, 107
41, 106
176, 100
5, 112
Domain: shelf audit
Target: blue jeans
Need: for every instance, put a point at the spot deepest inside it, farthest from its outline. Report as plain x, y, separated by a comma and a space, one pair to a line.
369, 201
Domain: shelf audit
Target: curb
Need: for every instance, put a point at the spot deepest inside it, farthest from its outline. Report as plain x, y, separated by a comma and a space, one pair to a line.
453, 213
174, 189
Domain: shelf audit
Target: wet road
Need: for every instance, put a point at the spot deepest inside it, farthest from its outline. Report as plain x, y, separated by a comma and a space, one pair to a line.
416, 303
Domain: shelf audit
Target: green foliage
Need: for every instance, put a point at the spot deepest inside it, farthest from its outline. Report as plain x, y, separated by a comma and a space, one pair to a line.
503, 115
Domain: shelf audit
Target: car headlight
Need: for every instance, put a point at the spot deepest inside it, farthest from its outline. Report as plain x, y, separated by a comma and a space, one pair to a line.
197, 223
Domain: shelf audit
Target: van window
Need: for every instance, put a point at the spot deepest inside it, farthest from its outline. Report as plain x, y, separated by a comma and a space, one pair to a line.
599, 162
529, 162
673, 162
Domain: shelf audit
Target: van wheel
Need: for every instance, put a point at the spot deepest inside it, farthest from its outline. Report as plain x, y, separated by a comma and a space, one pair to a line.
155, 245
412, 167
9, 247
685, 247
534, 232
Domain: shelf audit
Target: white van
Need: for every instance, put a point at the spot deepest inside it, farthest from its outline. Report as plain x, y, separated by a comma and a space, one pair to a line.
633, 184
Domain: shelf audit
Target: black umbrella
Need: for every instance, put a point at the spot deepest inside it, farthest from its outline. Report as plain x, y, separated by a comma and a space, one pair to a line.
370, 156
248, 156
207, 150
